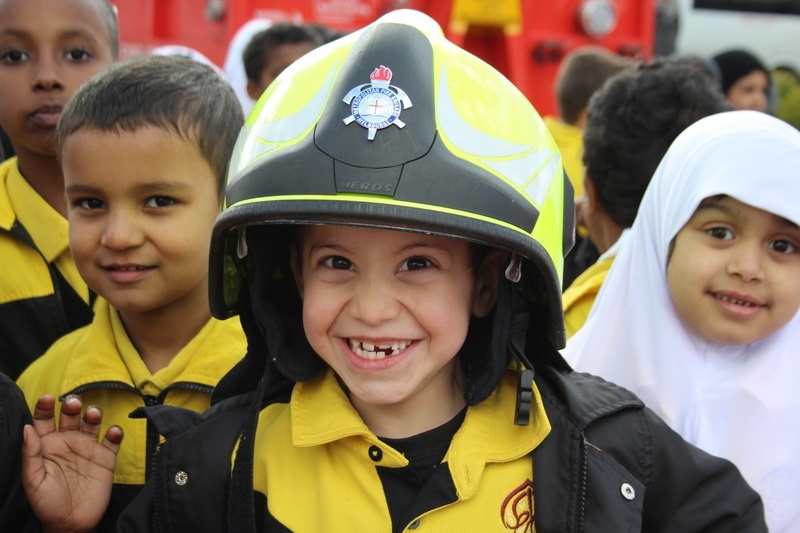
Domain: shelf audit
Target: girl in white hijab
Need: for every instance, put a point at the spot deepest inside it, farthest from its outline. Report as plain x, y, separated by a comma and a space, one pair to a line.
699, 313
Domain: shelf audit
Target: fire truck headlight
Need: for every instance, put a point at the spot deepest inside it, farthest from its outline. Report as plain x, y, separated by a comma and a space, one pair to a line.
598, 18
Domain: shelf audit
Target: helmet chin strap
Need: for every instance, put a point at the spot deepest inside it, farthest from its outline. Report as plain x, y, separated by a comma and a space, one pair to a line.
517, 338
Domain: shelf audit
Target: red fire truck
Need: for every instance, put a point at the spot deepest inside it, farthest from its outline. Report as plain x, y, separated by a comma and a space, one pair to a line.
524, 39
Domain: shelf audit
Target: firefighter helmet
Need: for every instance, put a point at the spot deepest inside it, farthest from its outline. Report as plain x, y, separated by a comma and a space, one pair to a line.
395, 127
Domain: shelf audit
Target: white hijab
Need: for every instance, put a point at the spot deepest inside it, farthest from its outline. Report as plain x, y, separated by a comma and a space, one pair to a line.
738, 402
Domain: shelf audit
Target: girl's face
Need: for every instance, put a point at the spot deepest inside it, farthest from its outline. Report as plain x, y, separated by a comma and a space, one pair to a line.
733, 272
750, 92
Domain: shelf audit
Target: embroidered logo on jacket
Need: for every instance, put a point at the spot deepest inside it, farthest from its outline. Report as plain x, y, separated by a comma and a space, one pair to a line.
517, 510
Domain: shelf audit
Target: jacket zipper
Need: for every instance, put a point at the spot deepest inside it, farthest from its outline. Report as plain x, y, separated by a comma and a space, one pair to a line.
152, 439
584, 482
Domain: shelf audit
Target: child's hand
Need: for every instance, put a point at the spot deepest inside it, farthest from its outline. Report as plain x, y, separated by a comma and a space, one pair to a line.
66, 472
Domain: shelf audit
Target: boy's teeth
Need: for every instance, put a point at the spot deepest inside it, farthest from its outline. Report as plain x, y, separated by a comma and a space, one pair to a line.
367, 350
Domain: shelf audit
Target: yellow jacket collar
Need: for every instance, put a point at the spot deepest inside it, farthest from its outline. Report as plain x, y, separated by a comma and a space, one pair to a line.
48, 229
105, 353
321, 413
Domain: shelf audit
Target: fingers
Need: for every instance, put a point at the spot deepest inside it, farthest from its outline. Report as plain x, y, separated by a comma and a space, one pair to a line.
113, 439
92, 419
31, 445
32, 460
70, 419
44, 415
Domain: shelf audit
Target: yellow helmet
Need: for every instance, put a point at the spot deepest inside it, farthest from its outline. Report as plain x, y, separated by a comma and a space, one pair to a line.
395, 127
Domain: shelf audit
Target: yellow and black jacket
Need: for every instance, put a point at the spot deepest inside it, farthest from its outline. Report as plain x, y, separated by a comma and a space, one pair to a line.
99, 363
318, 445
607, 464
42, 296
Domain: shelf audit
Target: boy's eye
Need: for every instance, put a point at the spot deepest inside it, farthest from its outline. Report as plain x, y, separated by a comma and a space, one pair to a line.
416, 263
90, 203
159, 201
78, 54
720, 233
13, 56
337, 262
783, 246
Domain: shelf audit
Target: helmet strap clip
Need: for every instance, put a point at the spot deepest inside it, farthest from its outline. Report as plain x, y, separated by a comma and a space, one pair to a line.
241, 246
514, 269
522, 413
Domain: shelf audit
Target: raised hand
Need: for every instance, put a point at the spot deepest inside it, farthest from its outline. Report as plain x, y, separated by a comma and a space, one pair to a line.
67, 474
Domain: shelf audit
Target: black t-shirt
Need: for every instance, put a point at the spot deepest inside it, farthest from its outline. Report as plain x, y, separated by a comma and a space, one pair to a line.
403, 486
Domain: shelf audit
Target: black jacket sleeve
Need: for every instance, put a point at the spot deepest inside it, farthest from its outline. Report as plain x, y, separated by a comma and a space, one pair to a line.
15, 513
611, 464
712, 497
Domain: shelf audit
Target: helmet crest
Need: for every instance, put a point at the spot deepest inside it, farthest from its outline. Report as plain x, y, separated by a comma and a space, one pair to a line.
377, 105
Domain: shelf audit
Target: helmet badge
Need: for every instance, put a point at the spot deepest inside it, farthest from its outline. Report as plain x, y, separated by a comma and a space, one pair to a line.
377, 105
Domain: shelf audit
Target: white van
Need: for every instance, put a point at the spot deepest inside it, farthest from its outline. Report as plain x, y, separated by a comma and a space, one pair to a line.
770, 29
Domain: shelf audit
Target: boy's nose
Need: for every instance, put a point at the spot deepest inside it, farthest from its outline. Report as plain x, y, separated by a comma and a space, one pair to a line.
121, 233
47, 76
373, 302
747, 263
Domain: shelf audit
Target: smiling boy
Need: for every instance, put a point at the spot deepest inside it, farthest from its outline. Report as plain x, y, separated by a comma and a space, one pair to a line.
387, 311
48, 48
145, 148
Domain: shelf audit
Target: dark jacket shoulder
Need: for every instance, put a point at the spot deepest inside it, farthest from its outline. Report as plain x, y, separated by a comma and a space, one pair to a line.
619, 460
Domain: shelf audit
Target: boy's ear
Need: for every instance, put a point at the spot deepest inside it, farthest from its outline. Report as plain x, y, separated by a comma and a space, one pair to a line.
590, 191
487, 280
297, 268
253, 90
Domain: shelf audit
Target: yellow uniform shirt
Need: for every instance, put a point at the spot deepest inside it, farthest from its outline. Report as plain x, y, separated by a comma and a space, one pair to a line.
49, 230
42, 296
569, 140
580, 295
99, 363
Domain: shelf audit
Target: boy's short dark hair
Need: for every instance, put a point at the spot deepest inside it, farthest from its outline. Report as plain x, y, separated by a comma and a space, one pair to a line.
112, 24
257, 53
580, 75
633, 119
172, 93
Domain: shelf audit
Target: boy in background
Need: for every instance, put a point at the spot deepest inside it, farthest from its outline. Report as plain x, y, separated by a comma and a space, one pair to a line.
271, 50
632, 121
48, 48
582, 73
145, 148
